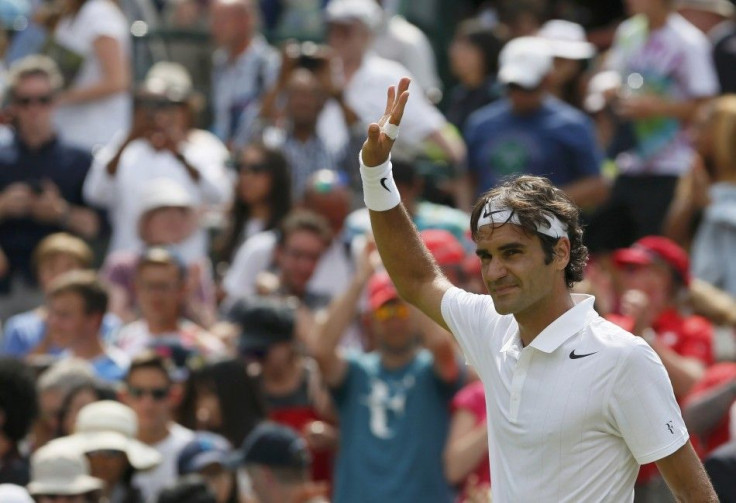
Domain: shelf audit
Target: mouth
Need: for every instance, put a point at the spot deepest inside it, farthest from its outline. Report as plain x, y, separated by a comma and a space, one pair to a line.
502, 290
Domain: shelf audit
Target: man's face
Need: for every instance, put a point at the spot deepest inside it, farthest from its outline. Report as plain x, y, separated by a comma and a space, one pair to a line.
654, 280
514, 269
160, 291
297, 259
149, 393
305, 98
524, 101
394, 326
230, 22
333, 205
54, 266
349, 39
33, 103
167, 226
67, 320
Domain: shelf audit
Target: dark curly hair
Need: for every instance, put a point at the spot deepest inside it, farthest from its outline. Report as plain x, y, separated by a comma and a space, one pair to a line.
530, 197
18, 400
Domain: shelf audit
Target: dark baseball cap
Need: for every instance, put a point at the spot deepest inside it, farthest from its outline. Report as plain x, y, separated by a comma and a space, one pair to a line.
206, 448
274, 445
263, 321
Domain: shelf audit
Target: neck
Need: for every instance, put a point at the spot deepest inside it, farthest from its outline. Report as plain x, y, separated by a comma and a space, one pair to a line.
658, 18
260, 210
304, 131
154, 435
238, 47
539, 316
277, 375
36, 137
395, 360
88, 347
162, 326
473, 80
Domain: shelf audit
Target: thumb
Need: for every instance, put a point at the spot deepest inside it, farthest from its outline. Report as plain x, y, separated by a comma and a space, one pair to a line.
374, 132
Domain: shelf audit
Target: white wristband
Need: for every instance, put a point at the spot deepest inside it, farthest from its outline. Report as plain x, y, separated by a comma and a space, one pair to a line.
379, 189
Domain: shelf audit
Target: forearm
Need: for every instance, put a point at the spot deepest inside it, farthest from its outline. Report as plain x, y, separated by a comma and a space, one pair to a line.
588, 192
681, 110
678, 221
464, 455
684, 372
712, 302
704, 413
94, 92
83, 221
335, 321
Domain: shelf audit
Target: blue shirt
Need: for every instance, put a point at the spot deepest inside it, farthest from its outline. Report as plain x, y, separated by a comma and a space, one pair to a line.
394, 425
25, 331
556, 141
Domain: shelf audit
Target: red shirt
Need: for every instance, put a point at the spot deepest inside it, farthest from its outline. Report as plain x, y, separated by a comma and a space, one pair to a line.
472, 398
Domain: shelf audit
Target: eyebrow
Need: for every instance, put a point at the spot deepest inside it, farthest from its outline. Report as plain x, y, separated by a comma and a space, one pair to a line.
507, 246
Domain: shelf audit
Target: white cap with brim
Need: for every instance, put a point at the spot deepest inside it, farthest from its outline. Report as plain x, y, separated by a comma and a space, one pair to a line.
566, 40
58, 468
163, 193
366, 11
525, 61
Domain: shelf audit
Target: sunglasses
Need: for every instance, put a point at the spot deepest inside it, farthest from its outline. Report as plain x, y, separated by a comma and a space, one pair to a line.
388, 311
157, 394
25, 101
106, 453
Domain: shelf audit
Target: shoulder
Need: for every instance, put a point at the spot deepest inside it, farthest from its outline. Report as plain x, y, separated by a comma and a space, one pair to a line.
493, 112
565, 114
106, 8
633, 26
679, 27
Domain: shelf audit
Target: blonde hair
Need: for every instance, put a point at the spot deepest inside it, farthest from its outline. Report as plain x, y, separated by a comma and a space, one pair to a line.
34, 65
722, 130
62, 243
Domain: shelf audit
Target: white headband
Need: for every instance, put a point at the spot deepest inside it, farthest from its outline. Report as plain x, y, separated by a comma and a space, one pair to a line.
493, 215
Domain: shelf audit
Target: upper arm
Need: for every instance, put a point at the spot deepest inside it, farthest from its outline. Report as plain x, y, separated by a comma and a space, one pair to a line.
115, 69
685, 476
430, 300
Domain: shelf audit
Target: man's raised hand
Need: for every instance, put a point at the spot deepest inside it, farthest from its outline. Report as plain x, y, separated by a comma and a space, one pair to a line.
377, 146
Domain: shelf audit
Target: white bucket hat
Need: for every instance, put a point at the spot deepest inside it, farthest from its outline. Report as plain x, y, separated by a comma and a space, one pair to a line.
10, 493
58, 468
110, 425
566, 39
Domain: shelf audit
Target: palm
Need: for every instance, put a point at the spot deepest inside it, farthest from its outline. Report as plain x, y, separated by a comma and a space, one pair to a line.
377, 145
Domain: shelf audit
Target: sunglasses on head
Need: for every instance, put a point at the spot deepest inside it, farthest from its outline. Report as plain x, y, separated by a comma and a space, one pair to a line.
25, 101
157, 394
388, 311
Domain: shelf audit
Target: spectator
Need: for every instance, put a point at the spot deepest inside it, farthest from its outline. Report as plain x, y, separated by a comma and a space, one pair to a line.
351, 26
161, 289
161, 144
106, 433
60, 471
11, 493
528, 131
18, 409
78, 397
447, 252
721, 466
666, 73
76, 304
261, 199
277, 461
223, 398
466, 452
521, 18
384, 396
244, 67
715, 19
291, 382
41, 180
168, 217
188, 489
473, 61
210, 456
55, 255
571, 52
54, 384
151, 393
91, 44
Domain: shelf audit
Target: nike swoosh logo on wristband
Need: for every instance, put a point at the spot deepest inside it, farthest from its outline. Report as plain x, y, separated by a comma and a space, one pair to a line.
383, 183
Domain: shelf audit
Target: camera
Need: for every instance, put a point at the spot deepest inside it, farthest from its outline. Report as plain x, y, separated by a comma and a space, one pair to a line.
308, 55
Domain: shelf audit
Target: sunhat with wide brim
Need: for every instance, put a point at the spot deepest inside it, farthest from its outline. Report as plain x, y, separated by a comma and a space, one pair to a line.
58, 468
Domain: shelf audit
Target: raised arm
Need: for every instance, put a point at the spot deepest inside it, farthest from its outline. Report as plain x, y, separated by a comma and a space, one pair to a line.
411, 267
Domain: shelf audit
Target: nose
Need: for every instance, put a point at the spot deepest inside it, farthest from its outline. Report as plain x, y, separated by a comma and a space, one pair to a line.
494, 270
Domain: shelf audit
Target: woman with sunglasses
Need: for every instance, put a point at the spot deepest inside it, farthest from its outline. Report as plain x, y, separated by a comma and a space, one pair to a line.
262, 197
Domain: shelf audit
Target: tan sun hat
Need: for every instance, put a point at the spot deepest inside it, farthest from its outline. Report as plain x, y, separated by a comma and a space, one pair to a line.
58, 468
110, 425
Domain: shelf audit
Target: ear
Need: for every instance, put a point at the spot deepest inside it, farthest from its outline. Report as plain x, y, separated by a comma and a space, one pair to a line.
562, 253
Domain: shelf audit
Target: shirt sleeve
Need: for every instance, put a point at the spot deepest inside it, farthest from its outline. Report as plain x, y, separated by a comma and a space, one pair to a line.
698, 72
251, 258
102, 18
99, 187
643, 406
470, 318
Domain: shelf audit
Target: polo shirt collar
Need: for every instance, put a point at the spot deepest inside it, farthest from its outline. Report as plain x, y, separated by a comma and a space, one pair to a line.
567, 325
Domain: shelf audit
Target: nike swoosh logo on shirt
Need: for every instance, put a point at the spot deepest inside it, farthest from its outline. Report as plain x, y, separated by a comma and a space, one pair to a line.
573, 356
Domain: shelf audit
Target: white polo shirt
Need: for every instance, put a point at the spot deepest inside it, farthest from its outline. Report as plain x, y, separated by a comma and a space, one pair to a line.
573, 415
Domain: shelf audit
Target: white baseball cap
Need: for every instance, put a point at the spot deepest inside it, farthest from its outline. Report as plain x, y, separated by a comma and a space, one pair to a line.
367, 12
566, 39
525, 61
164, 193
723, 8
110, 425
59, 468
10, 493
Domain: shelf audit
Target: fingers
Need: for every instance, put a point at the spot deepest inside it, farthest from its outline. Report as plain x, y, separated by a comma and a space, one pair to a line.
374, 132
397, 111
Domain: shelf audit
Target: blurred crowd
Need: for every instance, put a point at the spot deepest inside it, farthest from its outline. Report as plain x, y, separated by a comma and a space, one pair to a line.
192, 306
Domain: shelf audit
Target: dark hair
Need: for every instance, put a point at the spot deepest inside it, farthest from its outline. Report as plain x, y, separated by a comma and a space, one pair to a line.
190, 488
279, 200
242, 403
149, 359
100, 390
530, 197
87, 285
483, 39
304, 220
18, 399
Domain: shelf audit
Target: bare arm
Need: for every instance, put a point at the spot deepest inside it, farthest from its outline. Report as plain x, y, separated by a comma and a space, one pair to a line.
467, 445
115, 74
705, 411
588, 192
684, 371
713, 303
410, 265
686, 477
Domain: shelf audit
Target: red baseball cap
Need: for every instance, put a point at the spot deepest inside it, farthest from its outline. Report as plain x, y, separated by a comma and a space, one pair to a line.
650, 249
444, 246
381, 290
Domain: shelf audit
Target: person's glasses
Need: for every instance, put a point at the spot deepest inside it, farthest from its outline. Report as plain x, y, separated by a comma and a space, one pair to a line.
26, 101
106, 453
388, 311
252, 169
157, 394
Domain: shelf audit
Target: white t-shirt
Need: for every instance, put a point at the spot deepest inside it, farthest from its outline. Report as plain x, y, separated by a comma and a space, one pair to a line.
366, 95
573, 415
139, 163
152, 481
673, 62
94, 123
